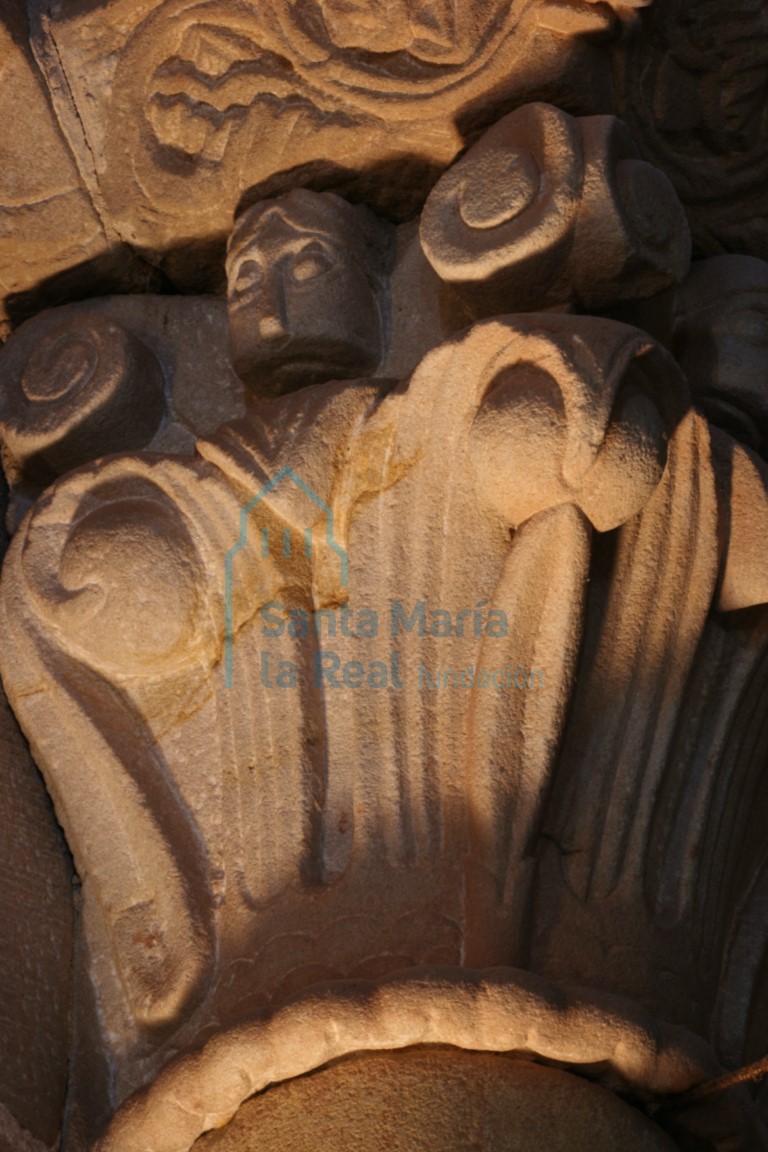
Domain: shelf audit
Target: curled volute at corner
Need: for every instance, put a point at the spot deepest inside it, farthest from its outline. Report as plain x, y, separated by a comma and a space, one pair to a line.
547, 209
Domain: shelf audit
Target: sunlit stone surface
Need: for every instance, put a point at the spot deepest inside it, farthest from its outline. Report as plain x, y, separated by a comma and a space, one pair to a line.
439, 1101
383, 424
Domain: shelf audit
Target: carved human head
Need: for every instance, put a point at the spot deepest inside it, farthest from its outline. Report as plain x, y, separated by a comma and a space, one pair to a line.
306, 291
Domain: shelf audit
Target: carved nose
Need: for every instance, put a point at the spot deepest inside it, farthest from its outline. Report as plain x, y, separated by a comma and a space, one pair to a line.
271, 327
273, 322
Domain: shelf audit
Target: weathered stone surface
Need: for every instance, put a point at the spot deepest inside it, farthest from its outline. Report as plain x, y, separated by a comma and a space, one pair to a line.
371, 446
47, 223
87, 379
500, 1010
430, 635
548, 210
185, 106
56, 242
16, 1139
556, 427
175, 111
86, 385
438, 1101
692, 89
36, 910
719, 334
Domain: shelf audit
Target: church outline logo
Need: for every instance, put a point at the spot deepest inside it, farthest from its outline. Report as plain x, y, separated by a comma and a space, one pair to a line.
285, 472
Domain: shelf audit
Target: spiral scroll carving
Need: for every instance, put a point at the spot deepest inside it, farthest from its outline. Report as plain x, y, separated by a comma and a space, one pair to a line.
76, 388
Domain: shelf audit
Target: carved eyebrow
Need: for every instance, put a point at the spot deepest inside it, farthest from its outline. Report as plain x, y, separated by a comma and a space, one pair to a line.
235, 265
321, 244
315, 241
240, 251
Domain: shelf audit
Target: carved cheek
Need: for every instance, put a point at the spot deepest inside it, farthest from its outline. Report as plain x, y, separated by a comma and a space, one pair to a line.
337, 311
357, 309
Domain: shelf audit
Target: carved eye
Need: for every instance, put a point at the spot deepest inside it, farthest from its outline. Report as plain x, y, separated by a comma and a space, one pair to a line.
310, 264
249, 275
